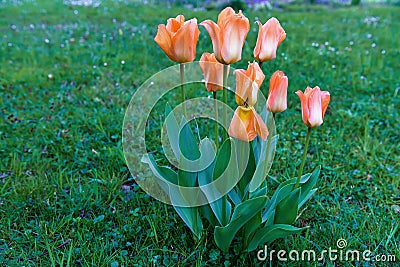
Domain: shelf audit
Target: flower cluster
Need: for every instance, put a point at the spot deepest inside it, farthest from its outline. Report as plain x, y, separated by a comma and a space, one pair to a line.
248, 207
178, 40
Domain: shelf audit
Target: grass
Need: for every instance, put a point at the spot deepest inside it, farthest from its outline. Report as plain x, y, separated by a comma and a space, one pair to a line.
66, 195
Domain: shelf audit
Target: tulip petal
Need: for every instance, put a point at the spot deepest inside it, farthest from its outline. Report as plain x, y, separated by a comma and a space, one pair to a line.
257, 48
315, 108
163, 39
277, 95
225, 15
244, 88
213, 72
261, 128
242, 124
214, 32
304, 107
184, 42
272, 36
325, 98
233, 35
174, 24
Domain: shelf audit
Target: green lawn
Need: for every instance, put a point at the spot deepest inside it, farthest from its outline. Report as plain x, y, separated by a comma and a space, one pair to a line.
67, 73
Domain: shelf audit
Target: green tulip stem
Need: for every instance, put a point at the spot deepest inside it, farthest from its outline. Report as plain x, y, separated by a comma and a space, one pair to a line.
182, 71
225, 95
216, 120
225, 121
303, 161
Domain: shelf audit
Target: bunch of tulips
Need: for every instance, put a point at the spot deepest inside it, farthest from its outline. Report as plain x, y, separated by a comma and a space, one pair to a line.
247, 209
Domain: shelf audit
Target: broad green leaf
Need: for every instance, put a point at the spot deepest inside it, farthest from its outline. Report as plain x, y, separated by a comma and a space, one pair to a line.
189, 215
188, 145
251, 226
306, 198
286, 210
259, 192
258, 143
270, 233
208, 213
172, 130
242, 214
264, 163
233, 195
309, 184
246, 165
225, 169
280, 193
192, 219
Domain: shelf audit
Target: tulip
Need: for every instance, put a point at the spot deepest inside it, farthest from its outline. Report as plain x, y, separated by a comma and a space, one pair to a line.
228, 35
178, 39
270, 36
247, 84
314, 103
213, 72
277, 95
246, 124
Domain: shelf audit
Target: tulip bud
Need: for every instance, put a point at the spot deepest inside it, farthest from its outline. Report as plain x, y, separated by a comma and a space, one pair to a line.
178, 39
213, 72
277, 95
270, 36
228, 35
314, 103
248, 82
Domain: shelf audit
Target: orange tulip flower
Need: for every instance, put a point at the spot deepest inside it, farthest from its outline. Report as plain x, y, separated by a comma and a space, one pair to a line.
270, 36
228, 35
178, 39
213, 72
277, 95
314, 103
247, 84
246, 124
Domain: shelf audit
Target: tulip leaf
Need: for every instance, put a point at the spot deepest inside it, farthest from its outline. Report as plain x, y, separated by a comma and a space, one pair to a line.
271, 233
208, 213
204, 178
234, 196
188, 214
307, 197
192, 219
286, 210
172, 130
264, 163
280, 193
262, 191
258, 142
188, 145
243, 213
309, 184
246, 165
251, 226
